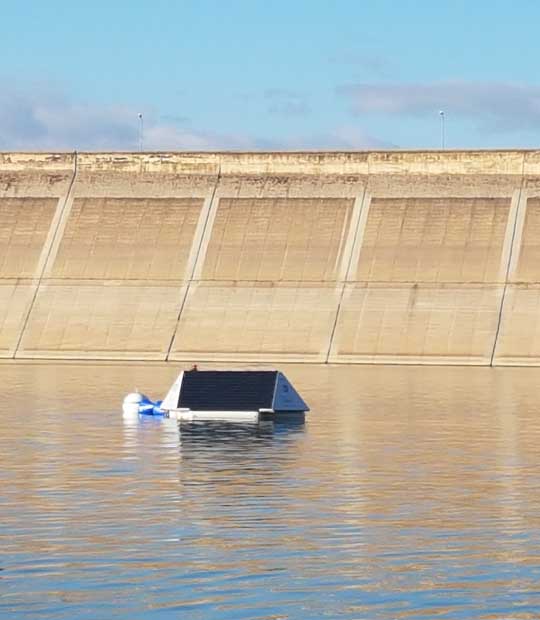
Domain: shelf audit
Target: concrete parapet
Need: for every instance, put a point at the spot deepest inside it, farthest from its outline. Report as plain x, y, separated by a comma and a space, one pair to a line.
162, 164
124, 175
294, 164
450, 163
28, 175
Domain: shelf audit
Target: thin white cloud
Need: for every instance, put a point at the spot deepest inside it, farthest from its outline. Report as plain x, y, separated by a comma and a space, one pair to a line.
494, 106
43, 118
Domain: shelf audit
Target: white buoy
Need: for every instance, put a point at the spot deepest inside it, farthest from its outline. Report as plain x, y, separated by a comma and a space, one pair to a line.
131, 403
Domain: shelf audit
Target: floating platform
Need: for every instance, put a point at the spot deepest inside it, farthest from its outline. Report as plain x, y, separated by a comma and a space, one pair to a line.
236, 395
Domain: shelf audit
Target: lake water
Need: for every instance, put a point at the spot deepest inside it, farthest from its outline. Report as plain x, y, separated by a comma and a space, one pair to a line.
409, 492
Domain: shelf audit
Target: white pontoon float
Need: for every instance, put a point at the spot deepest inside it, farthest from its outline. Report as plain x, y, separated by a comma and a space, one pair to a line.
233, 395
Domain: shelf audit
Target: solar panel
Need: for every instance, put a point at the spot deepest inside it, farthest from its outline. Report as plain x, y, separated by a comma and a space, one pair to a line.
227, 390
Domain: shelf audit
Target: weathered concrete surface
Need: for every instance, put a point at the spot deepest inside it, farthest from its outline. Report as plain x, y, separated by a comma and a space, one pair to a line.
253, 321
519, 338
370, 257
114, 283
280, 239
430, 268
270, 269
418, 323
33, 192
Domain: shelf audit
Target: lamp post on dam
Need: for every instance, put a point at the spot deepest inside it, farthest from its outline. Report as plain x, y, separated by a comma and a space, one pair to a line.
441, 116
141, 130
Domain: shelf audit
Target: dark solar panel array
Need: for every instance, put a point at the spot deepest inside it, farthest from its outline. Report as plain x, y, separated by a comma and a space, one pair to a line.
227, 390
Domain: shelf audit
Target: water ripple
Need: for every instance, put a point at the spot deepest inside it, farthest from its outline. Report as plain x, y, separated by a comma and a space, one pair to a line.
409, 493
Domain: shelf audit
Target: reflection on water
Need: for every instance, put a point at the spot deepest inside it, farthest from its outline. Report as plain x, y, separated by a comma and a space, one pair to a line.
407, 493
236, 436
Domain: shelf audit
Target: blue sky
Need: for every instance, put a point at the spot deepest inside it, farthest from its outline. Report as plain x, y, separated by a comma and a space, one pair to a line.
271, 74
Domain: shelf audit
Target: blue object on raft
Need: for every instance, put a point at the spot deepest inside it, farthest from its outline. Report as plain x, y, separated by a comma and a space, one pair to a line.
148, 407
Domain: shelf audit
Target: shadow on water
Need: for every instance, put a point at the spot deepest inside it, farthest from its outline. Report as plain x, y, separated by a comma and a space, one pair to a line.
217, 431
232, 441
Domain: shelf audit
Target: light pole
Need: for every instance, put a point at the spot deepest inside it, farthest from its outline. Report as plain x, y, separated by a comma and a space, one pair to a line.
141, 130
441, 114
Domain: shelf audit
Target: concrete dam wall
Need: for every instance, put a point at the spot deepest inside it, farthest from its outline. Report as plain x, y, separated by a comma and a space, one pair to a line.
367, 257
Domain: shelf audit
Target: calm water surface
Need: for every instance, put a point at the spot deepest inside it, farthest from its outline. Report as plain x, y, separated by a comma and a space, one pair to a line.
408, 493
